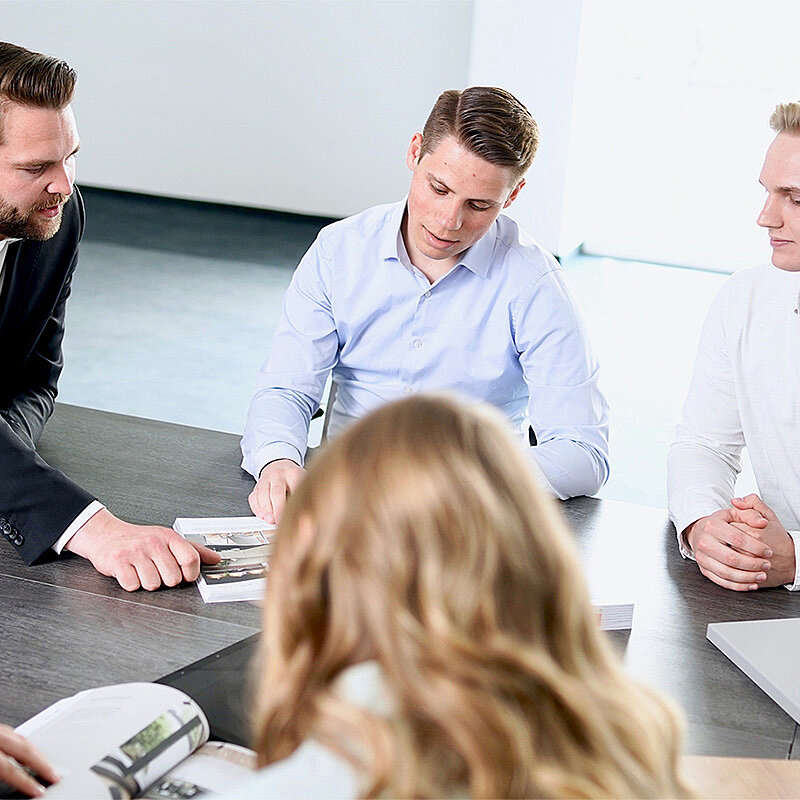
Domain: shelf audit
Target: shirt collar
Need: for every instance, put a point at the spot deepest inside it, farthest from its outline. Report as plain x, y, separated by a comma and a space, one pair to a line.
364, 685
391, 230
4, 245
476, 258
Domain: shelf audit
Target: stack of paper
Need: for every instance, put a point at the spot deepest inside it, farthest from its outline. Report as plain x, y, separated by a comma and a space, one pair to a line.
244, 543
614, 616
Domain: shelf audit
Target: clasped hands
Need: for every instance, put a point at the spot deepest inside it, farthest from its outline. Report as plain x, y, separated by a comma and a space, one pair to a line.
744, 547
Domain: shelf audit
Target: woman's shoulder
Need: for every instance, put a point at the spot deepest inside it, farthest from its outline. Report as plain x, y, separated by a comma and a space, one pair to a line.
312, 771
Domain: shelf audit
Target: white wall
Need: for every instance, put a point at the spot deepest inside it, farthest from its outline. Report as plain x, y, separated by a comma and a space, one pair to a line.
675, 100
301, 106
531, 49
305, 105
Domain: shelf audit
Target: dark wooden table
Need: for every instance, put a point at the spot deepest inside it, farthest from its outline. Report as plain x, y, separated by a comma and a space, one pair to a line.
66, 628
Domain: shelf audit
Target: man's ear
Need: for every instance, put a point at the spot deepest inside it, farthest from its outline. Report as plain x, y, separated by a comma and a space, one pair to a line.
412, 156
513, 196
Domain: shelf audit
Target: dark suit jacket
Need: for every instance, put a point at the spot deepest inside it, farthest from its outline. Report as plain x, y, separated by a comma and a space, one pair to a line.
37, 502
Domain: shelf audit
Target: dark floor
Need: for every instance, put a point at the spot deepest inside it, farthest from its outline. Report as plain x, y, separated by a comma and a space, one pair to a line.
208, 230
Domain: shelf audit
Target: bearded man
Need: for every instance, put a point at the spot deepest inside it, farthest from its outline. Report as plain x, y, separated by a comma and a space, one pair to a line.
41, 224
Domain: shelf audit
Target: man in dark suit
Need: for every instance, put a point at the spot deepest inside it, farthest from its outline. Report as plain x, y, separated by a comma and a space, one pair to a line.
41, 224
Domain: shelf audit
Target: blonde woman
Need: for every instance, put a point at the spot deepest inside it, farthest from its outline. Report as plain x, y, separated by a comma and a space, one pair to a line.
428, 632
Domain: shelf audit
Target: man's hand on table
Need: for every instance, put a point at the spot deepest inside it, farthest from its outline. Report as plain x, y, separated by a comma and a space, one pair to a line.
275, 483
17, 752
743, 547
774, 535
138, 555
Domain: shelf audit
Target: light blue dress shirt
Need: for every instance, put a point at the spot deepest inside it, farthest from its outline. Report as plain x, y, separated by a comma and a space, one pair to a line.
500, 327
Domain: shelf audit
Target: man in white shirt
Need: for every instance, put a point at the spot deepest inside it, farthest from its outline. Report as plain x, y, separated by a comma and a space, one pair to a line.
437, 292
41, 223
745, 391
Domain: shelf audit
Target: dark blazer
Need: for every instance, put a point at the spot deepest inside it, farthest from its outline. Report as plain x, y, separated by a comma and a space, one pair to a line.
37, 502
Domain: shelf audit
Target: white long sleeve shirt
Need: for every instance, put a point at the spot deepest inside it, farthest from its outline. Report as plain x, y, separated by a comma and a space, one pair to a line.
500, 327
745, 391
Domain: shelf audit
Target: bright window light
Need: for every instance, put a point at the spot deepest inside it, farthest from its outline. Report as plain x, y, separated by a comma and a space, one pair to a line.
671, 124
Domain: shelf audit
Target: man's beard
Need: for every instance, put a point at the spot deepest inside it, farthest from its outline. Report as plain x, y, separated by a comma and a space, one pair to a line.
15, 225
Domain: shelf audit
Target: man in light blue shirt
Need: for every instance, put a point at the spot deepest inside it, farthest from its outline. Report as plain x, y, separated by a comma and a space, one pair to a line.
437, 292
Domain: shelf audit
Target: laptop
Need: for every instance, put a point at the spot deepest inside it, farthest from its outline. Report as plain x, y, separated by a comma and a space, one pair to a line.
221, 685
768, 652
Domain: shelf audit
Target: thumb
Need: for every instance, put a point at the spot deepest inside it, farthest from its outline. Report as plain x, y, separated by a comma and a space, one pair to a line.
755, 502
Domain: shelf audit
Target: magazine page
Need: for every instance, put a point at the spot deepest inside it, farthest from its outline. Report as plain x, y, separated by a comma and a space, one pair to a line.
215, 767
245, 544
116, 740
238, 576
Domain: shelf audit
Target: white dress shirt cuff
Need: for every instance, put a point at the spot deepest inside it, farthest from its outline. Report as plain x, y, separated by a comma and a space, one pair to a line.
81, 519
683, 546
793, 587
681, 524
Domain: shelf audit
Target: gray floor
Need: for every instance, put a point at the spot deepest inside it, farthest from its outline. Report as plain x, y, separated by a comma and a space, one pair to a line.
174, 306
168, 336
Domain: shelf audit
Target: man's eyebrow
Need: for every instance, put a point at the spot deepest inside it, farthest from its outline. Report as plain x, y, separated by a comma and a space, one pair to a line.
785, 189
433, 179
41, 163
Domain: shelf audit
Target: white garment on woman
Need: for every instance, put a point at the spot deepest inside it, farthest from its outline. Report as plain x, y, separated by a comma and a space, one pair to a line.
314, 771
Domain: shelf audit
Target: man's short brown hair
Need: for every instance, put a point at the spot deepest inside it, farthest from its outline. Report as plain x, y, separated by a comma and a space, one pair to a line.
489, 122
33, 79
786, 118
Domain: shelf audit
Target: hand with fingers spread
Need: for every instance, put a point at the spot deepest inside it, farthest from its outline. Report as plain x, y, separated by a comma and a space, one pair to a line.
145, 556
17, 756
275, 483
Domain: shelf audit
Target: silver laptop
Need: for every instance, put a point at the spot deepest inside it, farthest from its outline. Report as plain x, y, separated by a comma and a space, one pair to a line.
768, 652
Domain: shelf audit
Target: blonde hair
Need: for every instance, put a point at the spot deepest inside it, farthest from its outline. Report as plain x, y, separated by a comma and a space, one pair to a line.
786, 118
420, 539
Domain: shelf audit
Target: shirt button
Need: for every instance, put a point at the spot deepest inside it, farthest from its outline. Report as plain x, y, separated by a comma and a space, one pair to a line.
427, 294
407, 390
417, 343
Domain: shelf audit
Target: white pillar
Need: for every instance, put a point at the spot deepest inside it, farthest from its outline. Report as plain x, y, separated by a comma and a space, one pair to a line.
530, 47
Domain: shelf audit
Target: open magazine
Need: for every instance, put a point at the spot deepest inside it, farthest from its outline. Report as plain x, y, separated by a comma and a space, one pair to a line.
134, 740
245, 544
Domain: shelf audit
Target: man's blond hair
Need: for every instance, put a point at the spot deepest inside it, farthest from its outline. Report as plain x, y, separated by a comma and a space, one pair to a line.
786, 118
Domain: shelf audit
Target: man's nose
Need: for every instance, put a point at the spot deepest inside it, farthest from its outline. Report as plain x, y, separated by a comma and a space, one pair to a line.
770, 216
449, 215
63, 181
